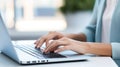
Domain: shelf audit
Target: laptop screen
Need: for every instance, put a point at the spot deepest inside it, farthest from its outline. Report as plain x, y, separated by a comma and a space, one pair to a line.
4, 36
6, 45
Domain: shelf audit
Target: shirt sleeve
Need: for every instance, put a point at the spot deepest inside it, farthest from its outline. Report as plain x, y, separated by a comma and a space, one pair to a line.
90, 29
115, 50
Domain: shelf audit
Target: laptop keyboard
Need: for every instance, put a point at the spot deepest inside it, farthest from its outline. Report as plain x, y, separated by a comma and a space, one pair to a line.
30, 49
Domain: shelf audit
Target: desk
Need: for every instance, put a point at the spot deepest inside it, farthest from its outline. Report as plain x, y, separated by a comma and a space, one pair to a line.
92, 62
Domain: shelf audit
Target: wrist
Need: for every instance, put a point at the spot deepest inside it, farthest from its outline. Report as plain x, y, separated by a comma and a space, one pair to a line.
83, 48
70, 35
79, 37
87, 47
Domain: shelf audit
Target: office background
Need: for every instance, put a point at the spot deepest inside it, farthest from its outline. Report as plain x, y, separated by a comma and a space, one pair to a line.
30, 19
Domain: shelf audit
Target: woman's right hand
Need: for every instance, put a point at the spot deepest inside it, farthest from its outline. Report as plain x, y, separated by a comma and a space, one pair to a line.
53, 35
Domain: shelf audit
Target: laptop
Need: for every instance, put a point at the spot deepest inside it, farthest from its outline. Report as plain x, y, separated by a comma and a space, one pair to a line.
24, 51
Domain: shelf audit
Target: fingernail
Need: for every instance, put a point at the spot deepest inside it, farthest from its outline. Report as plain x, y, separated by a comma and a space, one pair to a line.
56, 51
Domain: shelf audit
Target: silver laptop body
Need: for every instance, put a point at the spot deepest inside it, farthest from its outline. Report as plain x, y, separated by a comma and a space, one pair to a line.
22, 56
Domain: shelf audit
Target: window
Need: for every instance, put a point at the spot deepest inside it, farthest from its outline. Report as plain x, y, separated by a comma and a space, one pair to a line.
7, 7
33, 15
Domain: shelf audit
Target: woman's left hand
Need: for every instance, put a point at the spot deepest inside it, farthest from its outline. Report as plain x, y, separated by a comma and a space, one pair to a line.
67, 44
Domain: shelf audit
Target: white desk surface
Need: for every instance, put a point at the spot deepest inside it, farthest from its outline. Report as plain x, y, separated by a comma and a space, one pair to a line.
92, 62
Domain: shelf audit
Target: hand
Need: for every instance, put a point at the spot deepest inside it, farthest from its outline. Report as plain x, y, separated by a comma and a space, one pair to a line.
67, 44
50, 36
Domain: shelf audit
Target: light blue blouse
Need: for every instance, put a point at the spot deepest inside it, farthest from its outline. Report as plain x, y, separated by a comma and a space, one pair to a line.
94, 30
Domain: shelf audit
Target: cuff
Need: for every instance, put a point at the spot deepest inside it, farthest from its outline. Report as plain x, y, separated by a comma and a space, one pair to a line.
89, 35
115, 50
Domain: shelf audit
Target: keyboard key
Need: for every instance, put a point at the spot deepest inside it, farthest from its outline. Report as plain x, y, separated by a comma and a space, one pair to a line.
30, 49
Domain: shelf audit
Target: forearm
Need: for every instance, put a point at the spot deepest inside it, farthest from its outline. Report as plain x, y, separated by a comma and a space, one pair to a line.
79, 37
100, 49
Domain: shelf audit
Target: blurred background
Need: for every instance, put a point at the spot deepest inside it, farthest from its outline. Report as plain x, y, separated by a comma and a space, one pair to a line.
30, 19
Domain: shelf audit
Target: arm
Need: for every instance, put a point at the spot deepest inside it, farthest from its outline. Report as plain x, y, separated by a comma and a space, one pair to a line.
93, 48
79, 37
79, 47
100, 49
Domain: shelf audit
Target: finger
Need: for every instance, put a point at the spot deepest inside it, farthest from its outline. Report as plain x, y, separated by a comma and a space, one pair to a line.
61, 49
54, 44
40, 42
50, 37
43, 39
51, 46
62, 41
52, 50
47, 42
36, 41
